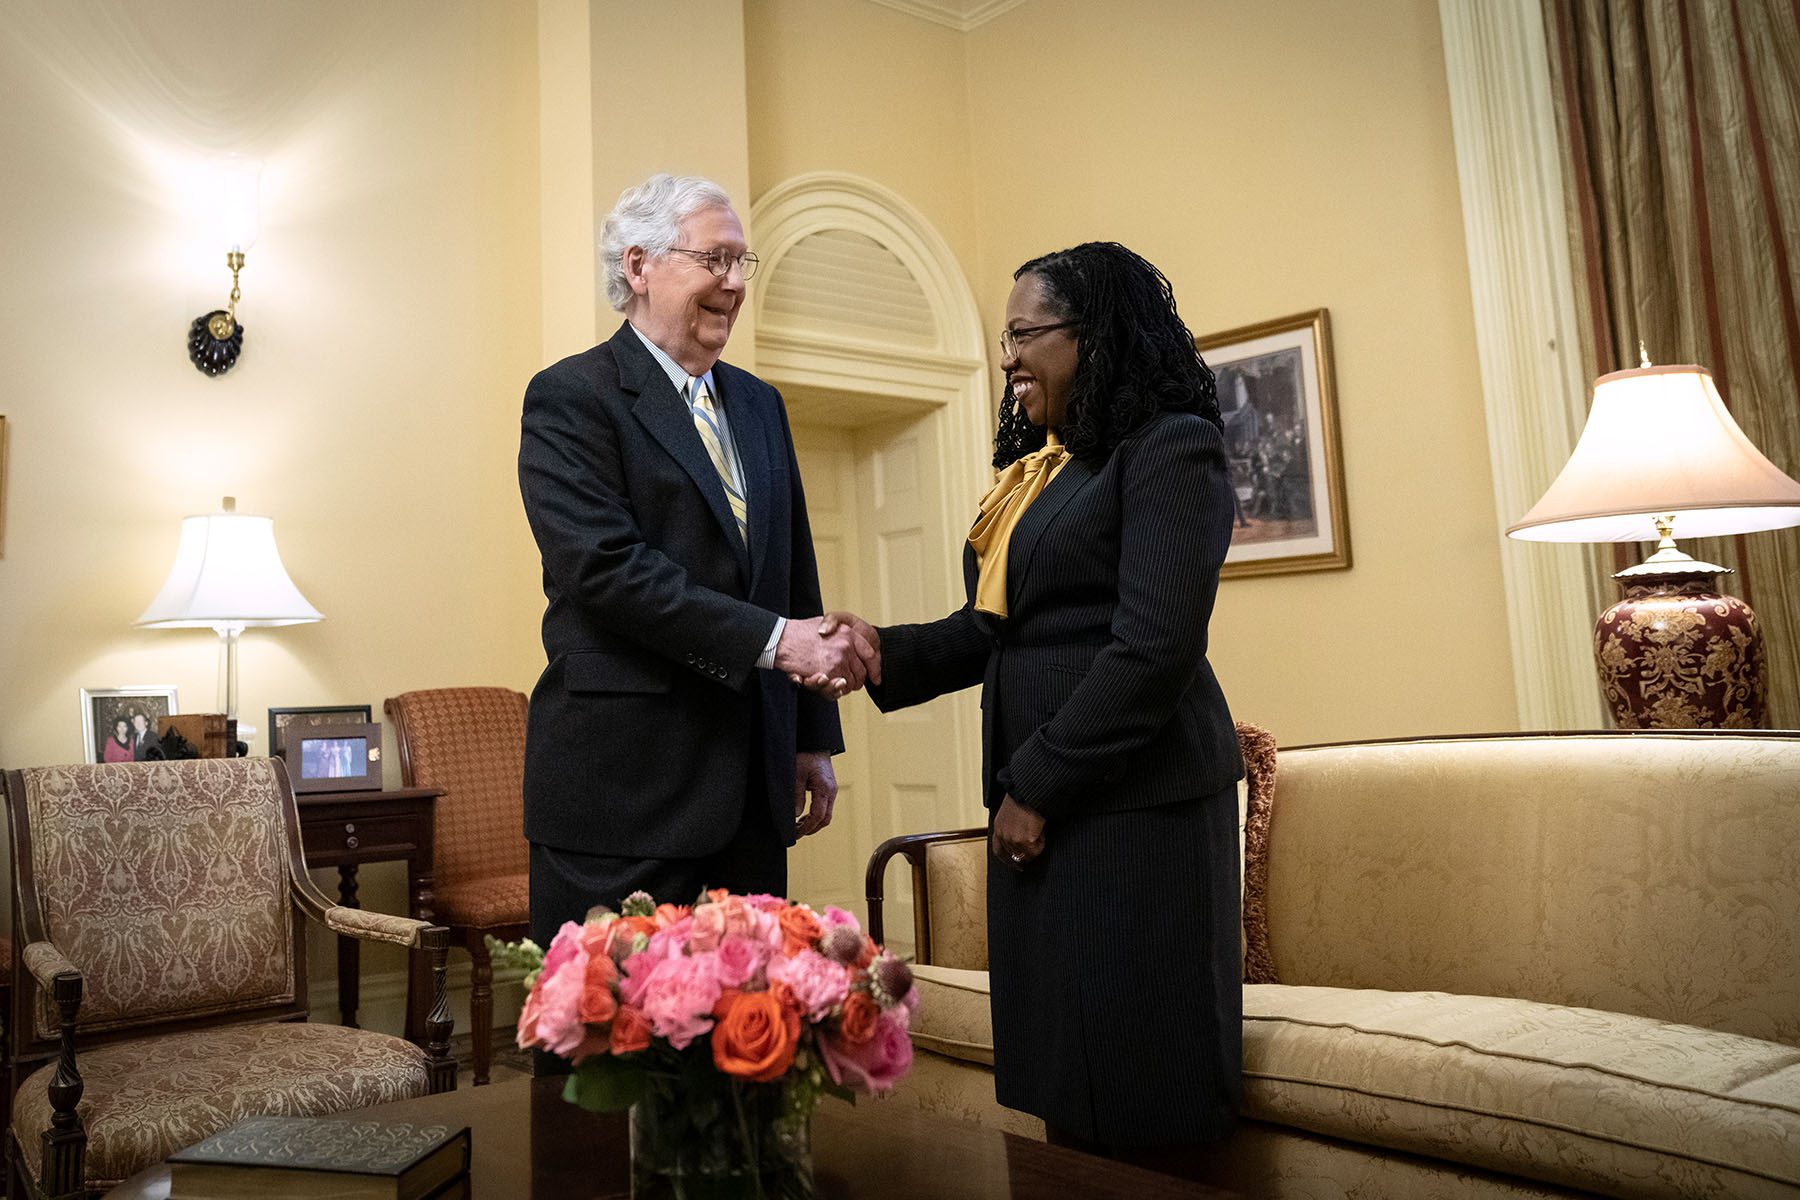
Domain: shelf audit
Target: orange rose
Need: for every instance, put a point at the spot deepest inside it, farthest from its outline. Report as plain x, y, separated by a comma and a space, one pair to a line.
800, 930
630, 1031
669, 914
869, 951
860, 1014
755, 1036
597, 1003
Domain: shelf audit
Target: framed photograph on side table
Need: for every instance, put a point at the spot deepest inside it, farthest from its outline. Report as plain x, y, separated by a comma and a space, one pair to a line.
333, 758
281, 719
119, 724
1278, 399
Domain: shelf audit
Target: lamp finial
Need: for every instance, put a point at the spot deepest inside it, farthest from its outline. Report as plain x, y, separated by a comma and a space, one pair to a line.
1643, 354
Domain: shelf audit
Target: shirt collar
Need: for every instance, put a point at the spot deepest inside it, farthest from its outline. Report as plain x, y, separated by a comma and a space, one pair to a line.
684, 383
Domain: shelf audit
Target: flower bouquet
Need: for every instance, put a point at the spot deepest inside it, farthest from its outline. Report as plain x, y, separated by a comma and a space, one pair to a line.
719, 1026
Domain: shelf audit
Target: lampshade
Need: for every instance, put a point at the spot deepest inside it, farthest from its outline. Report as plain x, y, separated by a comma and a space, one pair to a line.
227, 571
1659, 442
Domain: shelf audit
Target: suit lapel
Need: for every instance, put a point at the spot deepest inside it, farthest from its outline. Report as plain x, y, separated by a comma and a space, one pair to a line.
662, 412
1030, 529
750, 432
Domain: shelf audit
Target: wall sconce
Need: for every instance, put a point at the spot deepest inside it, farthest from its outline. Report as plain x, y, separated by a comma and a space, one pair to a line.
215, 339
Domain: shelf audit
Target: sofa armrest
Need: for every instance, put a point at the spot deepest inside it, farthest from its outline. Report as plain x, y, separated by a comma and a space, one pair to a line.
375, 926
913, 846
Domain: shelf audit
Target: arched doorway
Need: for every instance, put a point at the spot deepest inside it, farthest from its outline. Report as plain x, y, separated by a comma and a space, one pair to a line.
866, 324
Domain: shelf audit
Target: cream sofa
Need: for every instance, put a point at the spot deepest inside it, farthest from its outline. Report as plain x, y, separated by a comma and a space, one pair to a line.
1527, 965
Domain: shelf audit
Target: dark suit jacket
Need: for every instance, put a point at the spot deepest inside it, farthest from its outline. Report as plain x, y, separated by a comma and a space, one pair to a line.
651, 726
1096, 693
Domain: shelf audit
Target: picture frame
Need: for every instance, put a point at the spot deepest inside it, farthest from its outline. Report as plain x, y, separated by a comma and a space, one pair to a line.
138, 708
325, 714
334, 758
1278, 402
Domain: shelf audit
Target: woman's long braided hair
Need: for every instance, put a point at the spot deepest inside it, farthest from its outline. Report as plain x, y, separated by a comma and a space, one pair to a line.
1134, 357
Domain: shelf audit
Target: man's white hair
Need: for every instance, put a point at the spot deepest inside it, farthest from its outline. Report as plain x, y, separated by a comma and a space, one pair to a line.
650, 215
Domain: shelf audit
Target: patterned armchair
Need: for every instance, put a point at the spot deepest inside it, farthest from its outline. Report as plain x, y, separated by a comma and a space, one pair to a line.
469, 742
158, 911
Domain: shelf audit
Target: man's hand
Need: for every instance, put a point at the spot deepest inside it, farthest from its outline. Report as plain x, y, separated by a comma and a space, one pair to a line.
1018, 834
813, 773
832, 657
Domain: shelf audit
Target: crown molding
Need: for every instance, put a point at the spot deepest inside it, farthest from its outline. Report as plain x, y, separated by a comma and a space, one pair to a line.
960, 15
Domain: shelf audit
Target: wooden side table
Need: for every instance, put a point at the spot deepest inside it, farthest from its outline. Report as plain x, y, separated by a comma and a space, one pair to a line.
346, 830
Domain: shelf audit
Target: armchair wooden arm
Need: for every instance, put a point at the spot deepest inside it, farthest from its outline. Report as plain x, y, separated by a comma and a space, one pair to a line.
913, 846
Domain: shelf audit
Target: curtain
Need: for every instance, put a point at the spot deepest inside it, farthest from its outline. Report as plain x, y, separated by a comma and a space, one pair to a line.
1679, 128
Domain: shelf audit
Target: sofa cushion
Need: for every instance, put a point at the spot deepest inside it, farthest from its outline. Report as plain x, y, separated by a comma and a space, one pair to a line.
953, 1016
1596, 1100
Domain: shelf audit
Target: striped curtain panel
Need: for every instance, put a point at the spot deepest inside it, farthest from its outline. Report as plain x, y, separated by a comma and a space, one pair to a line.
1679, 124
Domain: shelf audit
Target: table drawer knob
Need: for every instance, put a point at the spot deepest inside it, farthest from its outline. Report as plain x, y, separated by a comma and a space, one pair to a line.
350, 843
349, 828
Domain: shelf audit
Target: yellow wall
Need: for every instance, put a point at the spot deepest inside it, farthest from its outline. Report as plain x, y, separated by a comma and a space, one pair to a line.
1256, 153
391, 312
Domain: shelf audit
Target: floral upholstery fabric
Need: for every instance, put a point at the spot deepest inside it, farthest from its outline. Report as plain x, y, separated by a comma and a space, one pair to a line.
381, 927
1618, 1104
44, 962
953, 1017
956, 877
1657, 874
166, 884
145, 1099
1255, 810
470, 742
499, 900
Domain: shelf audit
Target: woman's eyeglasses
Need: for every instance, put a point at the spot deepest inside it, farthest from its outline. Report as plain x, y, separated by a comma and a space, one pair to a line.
1012, 339
719, 262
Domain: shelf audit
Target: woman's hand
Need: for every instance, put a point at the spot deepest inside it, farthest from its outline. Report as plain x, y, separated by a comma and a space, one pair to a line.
1018, 834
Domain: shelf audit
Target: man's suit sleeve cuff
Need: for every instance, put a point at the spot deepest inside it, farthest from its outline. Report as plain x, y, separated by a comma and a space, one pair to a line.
767, 660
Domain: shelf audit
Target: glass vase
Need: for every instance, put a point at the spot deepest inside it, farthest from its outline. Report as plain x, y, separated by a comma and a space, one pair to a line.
726, 1140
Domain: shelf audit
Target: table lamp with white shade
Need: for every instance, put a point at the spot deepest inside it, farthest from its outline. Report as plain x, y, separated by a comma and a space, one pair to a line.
227, 577
1661, 455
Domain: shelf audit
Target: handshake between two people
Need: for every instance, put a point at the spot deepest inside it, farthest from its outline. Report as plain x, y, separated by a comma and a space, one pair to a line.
833, 655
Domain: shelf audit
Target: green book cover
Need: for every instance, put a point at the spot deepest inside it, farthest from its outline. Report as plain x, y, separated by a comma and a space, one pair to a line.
323, 1157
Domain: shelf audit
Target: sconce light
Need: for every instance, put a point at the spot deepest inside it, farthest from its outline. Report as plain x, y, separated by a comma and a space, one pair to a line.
215, 339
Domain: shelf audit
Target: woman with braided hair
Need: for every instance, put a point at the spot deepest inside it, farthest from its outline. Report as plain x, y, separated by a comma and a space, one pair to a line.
1110, 758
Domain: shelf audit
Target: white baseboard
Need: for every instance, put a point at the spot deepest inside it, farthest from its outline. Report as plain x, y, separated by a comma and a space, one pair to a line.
382, 999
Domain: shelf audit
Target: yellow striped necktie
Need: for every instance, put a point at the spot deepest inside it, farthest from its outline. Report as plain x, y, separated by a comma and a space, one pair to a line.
706, 424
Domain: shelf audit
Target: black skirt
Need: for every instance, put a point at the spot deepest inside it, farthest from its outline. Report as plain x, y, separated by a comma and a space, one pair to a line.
1115, 963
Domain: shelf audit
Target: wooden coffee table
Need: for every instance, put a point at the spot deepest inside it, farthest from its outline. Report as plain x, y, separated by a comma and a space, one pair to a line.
530, 1145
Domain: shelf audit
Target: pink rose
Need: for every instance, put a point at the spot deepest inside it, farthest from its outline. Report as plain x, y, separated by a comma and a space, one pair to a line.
562, 947
559, 1025
740, 959
818, 984
708, 928
763, 902
678, 998
835, 916
528, 1019
875, 1065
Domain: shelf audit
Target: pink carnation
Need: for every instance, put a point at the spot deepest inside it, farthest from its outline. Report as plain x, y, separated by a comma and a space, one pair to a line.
818, 984
739, 959
763, 902
678, 997
562, 947
876, 1065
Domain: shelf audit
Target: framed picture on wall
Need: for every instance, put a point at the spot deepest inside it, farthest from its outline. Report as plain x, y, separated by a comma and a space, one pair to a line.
1278, 399
281, 719
119, 724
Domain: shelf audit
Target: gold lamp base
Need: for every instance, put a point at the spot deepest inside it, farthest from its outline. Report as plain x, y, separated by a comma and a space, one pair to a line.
1676, 652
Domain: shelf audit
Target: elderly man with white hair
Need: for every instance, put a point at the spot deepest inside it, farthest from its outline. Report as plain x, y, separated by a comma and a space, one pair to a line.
667, 748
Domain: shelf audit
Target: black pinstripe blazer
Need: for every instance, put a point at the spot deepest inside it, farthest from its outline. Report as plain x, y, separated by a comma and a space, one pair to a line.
1096, 693
651, 727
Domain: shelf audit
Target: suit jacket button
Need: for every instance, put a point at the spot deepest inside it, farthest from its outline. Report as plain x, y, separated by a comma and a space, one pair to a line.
690, 660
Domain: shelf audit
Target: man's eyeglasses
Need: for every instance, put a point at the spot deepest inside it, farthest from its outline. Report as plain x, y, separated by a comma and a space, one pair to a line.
719, 262
1012, 339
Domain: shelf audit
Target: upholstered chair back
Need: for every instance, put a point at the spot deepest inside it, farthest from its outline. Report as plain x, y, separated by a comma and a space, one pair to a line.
1656, 874
470, 742
167, 884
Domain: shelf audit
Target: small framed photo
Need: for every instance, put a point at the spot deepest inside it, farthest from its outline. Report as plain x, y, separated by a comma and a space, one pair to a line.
282, 719
334, 758
1278, 399
119, 724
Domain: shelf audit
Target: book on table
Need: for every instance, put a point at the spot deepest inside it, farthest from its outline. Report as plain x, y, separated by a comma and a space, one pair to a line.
324, 1158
